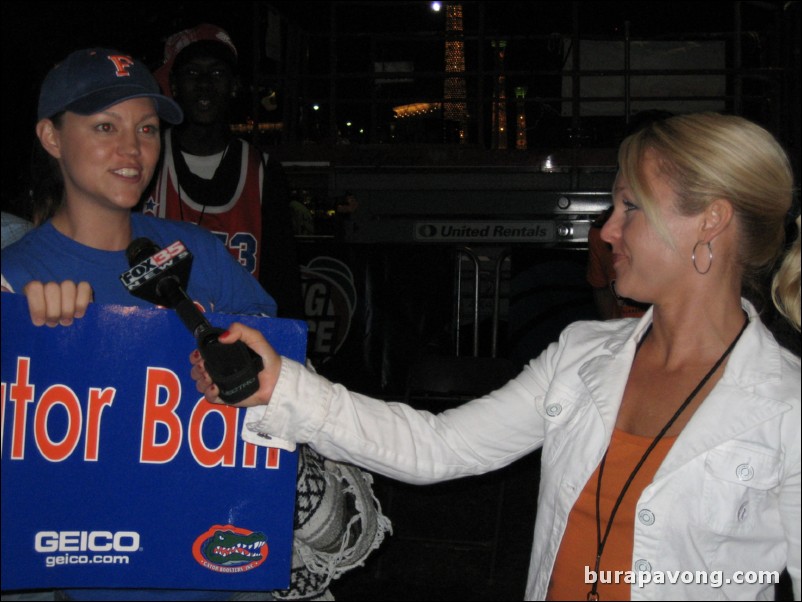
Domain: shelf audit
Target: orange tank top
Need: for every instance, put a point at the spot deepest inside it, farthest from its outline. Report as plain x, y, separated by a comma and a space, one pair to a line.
576, 558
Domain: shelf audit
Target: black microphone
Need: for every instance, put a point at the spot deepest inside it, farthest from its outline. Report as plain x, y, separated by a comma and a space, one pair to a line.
160, 277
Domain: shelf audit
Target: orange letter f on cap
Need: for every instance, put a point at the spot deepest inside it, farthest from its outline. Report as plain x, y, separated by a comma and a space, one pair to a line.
122, 63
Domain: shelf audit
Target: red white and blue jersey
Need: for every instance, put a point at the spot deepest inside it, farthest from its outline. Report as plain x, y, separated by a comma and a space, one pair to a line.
229, 205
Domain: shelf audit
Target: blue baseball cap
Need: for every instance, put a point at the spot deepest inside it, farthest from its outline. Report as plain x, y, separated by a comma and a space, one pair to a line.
90, 81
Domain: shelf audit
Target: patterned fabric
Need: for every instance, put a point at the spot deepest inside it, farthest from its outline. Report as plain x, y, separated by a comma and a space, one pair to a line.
311, 487
338, 522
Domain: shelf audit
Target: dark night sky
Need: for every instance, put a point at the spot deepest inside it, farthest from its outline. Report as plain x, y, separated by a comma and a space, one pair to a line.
37, 34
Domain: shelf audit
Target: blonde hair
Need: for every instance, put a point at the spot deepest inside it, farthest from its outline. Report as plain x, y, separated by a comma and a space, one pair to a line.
708, 156
785, 286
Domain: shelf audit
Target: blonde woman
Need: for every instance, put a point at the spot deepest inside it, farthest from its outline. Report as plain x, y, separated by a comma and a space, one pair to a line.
671, 443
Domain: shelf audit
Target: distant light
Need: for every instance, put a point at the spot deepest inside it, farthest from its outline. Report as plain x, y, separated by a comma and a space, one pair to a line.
348, 124
436, 6
315, 107
548, 164
417, 108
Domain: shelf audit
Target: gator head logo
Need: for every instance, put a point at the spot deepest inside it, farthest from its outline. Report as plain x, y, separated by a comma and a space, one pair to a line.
229, 549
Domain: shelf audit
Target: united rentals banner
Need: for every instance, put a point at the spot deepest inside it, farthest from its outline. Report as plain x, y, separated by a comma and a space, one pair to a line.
116, 473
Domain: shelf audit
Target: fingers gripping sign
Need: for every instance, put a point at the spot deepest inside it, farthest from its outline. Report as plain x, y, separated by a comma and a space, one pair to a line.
54, 303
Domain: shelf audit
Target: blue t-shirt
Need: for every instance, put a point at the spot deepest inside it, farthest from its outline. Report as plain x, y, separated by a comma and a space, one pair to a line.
217, 282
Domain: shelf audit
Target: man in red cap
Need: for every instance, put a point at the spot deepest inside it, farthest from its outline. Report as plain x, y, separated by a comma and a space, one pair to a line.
212, 178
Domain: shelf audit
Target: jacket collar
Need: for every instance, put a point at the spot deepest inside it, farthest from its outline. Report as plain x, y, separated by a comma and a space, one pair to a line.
756, 359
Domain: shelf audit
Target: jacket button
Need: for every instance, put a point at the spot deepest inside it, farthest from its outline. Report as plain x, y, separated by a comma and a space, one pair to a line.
643, 566
646, 517
554, 409
744, 472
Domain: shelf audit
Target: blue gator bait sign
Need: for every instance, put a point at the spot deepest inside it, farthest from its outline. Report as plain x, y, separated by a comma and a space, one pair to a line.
117, 474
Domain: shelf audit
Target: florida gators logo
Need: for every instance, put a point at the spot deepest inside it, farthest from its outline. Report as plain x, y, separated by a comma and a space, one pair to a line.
122, 64
230, 549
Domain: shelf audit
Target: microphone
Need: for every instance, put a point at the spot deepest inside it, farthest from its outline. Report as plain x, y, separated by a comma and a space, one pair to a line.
160, 277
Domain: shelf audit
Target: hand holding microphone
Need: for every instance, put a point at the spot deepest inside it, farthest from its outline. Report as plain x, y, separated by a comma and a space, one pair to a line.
160, 276
267, 377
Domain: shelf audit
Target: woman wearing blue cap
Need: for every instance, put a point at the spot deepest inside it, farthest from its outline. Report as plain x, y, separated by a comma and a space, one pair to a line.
99, 117
98, 125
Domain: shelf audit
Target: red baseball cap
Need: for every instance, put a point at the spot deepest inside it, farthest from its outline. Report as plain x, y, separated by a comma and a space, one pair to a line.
179, 41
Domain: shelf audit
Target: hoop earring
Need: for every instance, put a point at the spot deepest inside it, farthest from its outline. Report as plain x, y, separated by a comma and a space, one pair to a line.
709, 256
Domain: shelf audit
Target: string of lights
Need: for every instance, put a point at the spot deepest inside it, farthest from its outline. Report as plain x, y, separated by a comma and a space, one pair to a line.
455, 107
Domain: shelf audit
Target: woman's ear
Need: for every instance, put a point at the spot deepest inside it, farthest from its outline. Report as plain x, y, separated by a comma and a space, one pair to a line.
716, 219
48, 135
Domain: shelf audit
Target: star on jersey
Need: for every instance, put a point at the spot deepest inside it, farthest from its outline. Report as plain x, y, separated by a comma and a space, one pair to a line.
150, 206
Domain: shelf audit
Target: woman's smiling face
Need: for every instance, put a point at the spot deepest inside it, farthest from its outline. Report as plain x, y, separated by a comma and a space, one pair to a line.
648, 267
108, 158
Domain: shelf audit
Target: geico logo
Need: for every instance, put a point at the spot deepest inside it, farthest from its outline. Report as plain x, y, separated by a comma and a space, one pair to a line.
83, 541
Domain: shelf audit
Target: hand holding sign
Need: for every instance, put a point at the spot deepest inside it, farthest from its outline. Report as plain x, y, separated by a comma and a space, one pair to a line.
55, 303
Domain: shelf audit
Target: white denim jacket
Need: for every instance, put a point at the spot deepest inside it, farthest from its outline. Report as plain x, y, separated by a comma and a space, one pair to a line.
726, 498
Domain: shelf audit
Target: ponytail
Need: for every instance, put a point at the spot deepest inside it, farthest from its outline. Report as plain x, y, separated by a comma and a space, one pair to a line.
785, 286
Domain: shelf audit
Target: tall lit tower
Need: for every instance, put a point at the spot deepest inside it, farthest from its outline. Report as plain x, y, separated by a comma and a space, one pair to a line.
499, 113
455, 106
520, 121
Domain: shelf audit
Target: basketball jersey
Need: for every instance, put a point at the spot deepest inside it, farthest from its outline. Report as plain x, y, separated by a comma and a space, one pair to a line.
229, 205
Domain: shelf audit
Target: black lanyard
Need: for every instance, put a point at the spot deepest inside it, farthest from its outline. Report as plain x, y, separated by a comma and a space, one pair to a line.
593, 594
